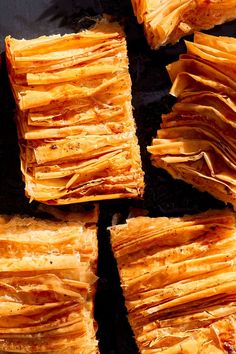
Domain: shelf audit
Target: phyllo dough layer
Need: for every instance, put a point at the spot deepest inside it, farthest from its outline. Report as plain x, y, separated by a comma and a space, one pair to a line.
196, 141
166, 21
75, 125
47, 280
179, 282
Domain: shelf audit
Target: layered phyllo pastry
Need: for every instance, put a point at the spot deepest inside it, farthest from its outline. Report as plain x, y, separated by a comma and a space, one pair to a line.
196, 141
178, 280
74, 116
48, 277
166, 21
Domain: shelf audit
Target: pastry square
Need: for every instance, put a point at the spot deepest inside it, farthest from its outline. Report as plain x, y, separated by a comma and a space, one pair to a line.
196, 141
166, 21
178, 280
76, 130
47, 278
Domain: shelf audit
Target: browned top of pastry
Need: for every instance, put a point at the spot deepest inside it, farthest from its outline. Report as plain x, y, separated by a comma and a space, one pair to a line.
178, 279
166, 21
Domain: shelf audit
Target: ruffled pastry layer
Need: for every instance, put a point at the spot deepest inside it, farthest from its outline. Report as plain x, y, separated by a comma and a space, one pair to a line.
196, 141
178, 280
75, 125
166, 21
47, 284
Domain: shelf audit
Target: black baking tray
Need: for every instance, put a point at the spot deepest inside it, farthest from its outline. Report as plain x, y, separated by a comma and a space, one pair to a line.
150, 86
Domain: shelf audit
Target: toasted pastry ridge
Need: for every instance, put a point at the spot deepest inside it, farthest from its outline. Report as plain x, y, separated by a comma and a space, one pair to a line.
166, 21
76, 130
196, 141
178, 280
48, 277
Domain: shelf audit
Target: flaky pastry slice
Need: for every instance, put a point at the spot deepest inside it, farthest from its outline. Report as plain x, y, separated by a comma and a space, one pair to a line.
169, 20
76, 130
48, 276
196, 141
178, 280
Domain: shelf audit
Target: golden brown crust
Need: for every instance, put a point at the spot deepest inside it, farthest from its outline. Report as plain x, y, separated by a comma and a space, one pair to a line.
169, 20
196, 141
75, 125
47, 278
178, 279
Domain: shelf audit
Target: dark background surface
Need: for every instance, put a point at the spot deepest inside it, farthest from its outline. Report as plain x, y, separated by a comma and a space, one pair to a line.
163, 195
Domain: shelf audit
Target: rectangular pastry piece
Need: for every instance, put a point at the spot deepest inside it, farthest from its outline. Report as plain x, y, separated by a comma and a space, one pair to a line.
196, 141
47, 277
178, 280
166, 21
76, 130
